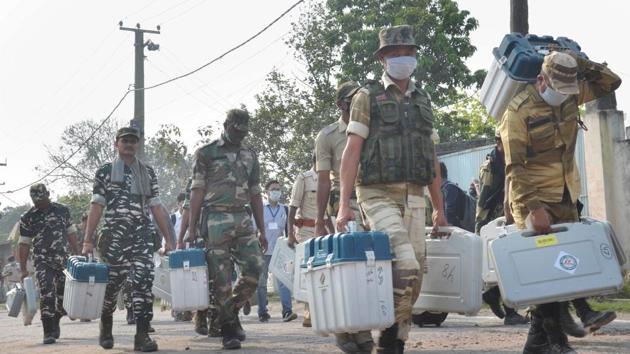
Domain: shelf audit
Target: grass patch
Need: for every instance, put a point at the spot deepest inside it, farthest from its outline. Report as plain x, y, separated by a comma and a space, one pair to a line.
618, 305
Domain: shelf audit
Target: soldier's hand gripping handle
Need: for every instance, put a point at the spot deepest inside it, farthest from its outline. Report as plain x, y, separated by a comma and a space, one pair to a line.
344, 215
88, 248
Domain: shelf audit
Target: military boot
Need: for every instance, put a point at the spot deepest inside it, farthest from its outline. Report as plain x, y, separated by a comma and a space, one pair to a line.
142, 342
105, 337
492, 297
566, 322
388, 342
592, 320
48, 324
201, 322
558, 340
536, 337
230, 336
513, 318
239, 331
56, 331
214, 330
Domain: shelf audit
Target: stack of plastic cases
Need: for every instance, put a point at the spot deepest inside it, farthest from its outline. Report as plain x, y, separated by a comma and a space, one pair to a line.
489, 233
453, 280
299, 278
517, 62
281, 263
188, 273
84, 291
15, 298
349, 282
576, 260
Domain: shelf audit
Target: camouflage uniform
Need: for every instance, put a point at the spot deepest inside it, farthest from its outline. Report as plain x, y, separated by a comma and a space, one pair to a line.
126, 240
47, 231
539, 142
303, 196
230, 176
492, 188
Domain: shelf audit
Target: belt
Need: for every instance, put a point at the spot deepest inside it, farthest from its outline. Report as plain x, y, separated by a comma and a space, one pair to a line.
223, 209
305, 222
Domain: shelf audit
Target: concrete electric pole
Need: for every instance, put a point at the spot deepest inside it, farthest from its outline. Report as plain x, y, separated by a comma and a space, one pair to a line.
138, 103
519, 16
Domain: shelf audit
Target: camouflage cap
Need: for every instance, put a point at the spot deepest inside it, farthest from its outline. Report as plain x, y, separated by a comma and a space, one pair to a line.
396, 35
238, 118
561, 69
127, 131
347, 89
39, 192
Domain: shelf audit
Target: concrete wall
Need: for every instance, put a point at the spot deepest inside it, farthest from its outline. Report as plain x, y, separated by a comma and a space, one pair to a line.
607, 153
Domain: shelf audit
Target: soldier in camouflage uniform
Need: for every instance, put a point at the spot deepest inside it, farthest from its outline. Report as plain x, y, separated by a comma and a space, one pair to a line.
391, 156
47, 227
127, 190
489, 207
226, 176
539, 134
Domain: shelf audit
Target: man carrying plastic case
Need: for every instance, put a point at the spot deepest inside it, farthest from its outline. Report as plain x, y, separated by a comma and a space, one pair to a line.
539, 132
226, 176
48, 228
390, 154
489, 207
126, 189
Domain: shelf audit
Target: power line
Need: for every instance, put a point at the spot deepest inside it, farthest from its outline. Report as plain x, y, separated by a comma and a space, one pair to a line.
78, 148
151, 87
224, 54
9, 199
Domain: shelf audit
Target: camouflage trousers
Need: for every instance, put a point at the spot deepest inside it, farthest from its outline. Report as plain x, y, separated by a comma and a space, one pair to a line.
51, 282
129, 249
127, 291
402, 218
231, 240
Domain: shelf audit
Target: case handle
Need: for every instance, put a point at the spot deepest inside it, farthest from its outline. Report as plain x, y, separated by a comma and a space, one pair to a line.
532, 233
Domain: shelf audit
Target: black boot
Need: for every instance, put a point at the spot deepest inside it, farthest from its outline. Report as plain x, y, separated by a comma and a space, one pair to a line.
513, 318
142, 342
388, 342
48, 324
536, 337
566, 322
492, 297
239, 331
592, 320
201, 322
131, 318
230, 337
56, 330
558, 341
105, 337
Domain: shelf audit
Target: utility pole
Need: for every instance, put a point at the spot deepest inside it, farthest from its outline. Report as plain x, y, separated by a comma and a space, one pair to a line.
138, 103
519, 16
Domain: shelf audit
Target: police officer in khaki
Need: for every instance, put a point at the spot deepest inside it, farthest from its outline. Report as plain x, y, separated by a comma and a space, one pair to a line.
539, 133
329, 146
302, 207
391, 156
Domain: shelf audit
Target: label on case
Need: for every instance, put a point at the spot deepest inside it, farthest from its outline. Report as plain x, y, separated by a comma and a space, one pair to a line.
567, 262
546, 241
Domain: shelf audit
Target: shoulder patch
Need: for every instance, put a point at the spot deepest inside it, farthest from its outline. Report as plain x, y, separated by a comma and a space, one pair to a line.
518, 100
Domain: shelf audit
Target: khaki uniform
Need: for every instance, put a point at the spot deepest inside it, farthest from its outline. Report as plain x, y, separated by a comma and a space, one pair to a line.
329, 146
398, 210
539, 142
304, 198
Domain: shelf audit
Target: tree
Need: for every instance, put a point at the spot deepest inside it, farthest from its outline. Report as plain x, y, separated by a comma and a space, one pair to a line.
465, 120
77, 203
10, 216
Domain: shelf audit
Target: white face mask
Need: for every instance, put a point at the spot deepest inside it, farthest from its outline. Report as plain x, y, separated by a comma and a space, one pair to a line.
275, 195
400, 68
553, 97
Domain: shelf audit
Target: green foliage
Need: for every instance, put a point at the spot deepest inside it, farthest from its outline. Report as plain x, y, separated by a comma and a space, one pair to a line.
465, 120
78, 203
8, 217
441, 30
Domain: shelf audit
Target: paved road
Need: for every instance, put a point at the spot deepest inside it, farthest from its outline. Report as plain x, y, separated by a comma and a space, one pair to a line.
480, 334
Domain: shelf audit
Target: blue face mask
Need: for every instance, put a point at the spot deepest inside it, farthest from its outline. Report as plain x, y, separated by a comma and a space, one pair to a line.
553, 97
275, 195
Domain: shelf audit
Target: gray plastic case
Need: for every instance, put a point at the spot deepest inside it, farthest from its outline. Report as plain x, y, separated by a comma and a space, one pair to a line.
575, 260
15, 299
162, 281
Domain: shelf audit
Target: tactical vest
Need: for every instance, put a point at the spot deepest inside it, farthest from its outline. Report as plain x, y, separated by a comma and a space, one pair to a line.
399, 147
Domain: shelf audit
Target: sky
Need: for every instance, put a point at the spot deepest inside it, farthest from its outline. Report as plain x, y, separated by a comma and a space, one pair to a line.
65, 61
